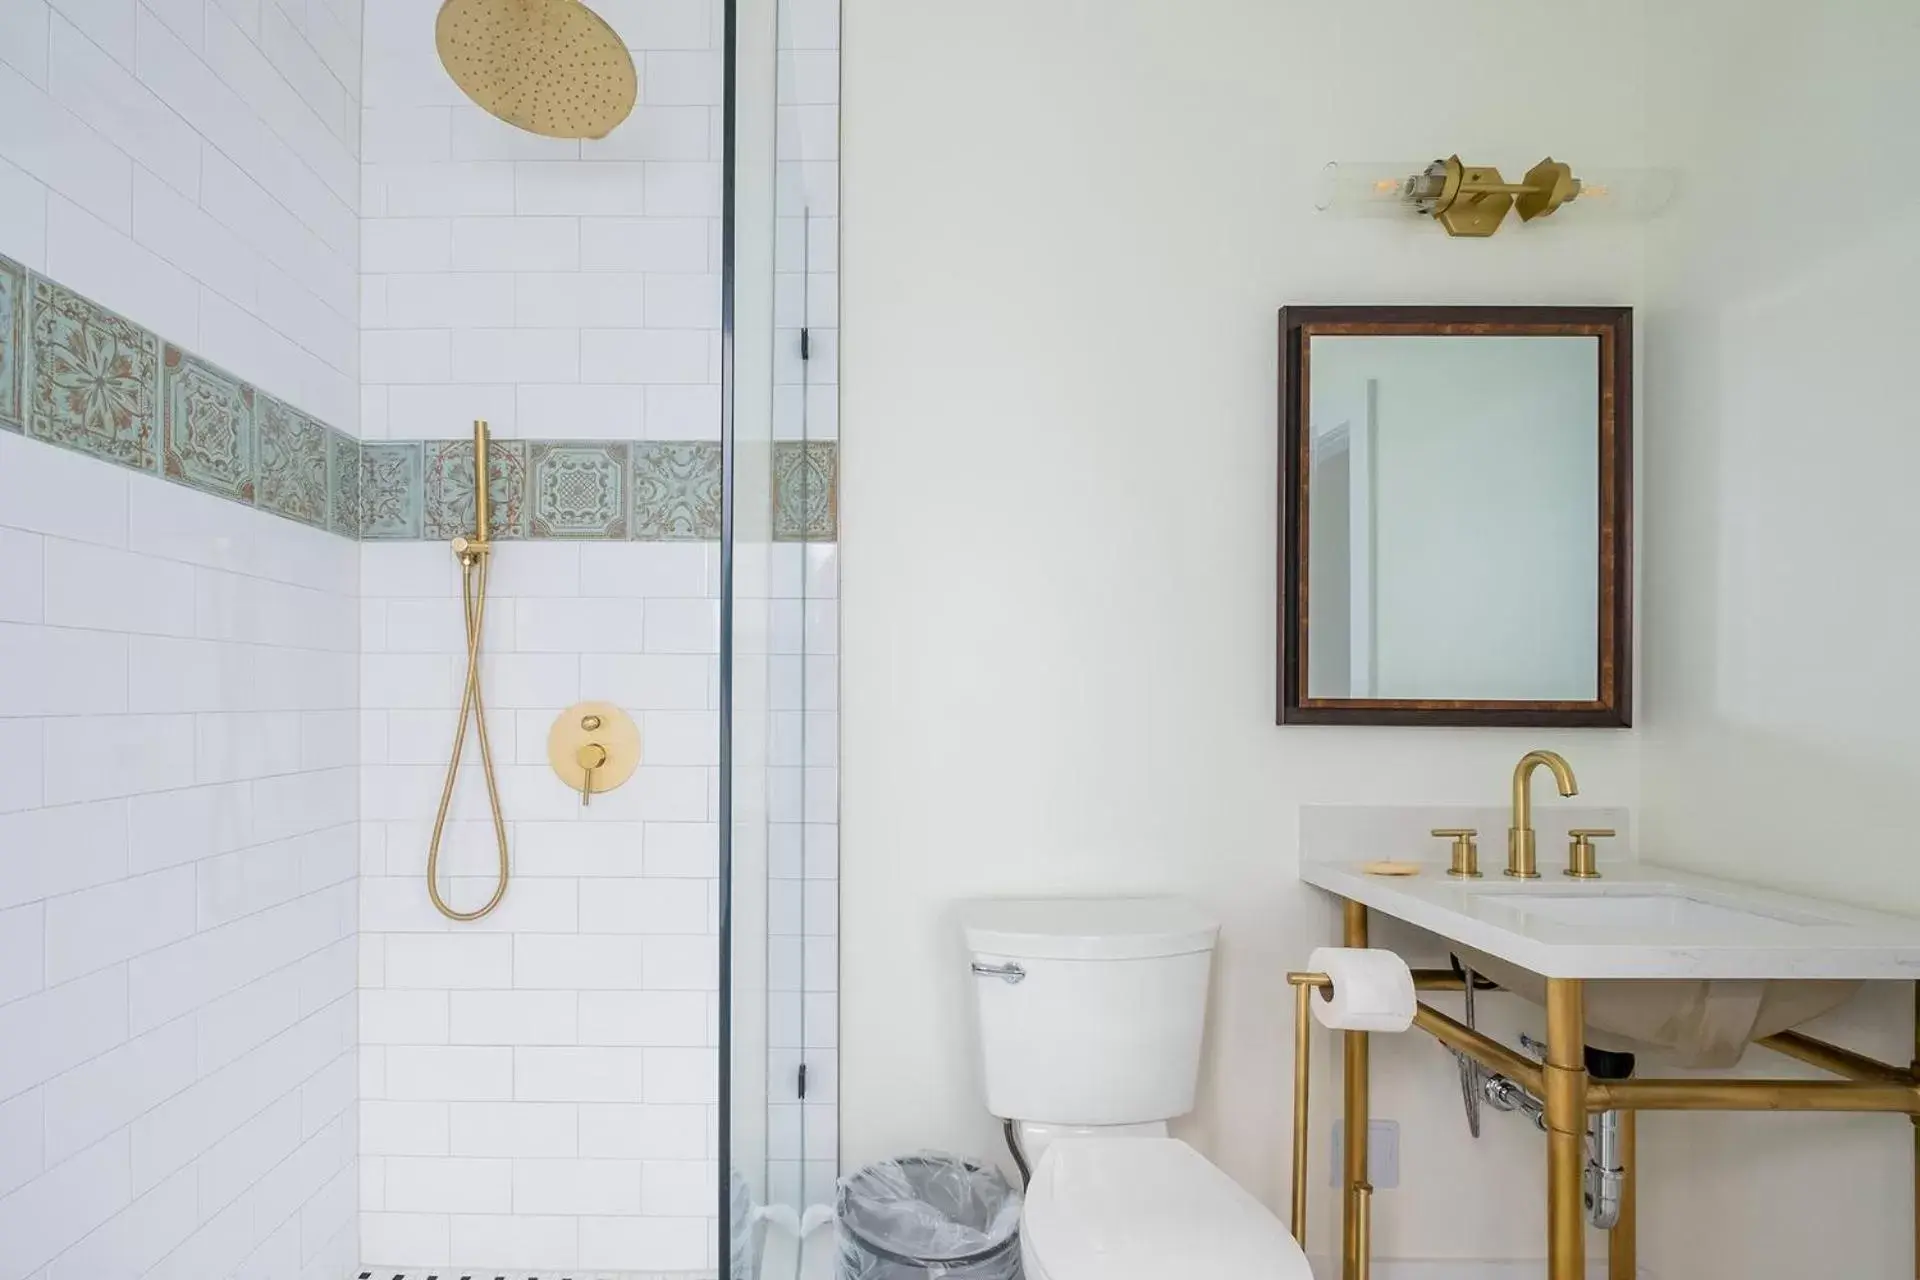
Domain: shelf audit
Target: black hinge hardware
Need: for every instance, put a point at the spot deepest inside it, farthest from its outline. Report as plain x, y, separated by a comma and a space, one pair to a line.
803, 1082
806, 344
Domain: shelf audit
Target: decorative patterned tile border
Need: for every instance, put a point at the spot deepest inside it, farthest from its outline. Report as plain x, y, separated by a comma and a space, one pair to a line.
76, 375
94, 381
13, 342
207, 426
448, 499
676, 490
578, 490
806, 498
390, 474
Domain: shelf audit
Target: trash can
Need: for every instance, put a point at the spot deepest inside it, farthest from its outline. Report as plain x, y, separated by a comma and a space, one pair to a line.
929, 1215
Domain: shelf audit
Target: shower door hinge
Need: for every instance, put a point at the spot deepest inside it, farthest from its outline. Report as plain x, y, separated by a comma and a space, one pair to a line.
803, 1082
806, 344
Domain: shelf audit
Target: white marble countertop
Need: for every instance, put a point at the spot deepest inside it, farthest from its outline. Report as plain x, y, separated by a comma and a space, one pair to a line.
1718, 929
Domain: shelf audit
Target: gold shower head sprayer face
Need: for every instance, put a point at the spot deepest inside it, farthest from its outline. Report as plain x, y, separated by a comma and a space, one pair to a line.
551, 67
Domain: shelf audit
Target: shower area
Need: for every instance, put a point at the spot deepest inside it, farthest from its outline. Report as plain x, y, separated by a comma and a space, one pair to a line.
418, 639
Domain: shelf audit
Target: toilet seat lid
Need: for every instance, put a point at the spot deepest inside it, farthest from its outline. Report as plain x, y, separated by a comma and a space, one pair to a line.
1147, 1209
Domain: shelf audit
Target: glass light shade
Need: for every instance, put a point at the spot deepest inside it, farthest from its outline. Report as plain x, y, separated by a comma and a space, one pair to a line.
1372, 189
1619, 194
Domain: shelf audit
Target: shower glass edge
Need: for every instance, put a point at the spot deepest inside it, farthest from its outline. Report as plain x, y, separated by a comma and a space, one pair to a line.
748, 171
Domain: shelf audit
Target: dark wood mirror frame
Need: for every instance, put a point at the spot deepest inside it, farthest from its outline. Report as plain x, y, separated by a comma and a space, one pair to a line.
1613, 326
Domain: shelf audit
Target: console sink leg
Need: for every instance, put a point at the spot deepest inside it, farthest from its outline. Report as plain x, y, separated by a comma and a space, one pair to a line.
1565, 1076
1356, 1224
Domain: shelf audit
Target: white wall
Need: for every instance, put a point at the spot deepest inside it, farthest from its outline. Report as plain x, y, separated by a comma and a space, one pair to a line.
191, 164
1068, 229
1782, 726
177, 683
557, 288
538, 1086
177, 811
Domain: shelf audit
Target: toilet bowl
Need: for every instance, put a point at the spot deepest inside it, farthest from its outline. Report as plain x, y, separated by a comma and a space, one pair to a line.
1090, 1015
1147, 1209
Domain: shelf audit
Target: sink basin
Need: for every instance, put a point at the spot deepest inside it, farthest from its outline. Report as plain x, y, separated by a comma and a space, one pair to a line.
1650, 909
1694, 1023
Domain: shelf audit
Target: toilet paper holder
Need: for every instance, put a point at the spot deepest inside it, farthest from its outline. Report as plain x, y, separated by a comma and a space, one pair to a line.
1304, 985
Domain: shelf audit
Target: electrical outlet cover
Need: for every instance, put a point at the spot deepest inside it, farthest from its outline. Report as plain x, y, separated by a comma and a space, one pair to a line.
1383, 1154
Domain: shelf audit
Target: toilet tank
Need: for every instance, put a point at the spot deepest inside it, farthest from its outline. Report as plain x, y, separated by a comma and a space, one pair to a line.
1089, 1010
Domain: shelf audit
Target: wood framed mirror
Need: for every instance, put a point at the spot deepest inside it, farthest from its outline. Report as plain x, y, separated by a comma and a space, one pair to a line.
1455, 516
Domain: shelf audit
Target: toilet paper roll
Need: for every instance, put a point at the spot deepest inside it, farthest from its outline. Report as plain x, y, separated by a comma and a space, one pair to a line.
1372, 990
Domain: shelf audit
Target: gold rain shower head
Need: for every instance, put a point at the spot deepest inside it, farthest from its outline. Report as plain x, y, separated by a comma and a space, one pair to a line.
547, 66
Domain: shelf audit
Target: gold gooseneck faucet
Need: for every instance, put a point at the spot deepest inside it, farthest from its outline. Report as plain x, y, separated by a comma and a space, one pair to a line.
472, 554
1520, 860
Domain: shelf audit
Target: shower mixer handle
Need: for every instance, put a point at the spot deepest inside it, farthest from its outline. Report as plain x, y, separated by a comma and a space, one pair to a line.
590, 756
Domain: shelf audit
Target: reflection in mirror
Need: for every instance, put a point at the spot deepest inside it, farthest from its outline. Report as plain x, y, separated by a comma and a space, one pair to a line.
1454, 517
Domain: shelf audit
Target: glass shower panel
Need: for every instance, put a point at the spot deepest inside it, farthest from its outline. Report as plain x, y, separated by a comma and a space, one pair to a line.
780, 961
804, 1091
748, 140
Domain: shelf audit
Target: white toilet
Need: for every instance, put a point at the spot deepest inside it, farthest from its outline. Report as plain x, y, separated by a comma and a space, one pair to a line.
1090, 1014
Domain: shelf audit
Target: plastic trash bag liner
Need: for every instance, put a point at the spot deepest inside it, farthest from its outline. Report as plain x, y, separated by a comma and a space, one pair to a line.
929, 1215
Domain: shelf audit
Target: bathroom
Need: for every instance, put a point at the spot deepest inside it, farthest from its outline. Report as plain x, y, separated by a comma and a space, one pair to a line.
265, 263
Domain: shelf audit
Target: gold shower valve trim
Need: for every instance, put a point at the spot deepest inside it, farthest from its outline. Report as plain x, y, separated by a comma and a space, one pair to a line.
593, 747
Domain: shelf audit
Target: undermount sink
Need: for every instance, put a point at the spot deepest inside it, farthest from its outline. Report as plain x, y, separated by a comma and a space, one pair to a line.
1705, 1023
1652, 908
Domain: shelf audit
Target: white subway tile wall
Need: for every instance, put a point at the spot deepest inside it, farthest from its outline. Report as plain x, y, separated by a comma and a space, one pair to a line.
177, 860
193, 166
540, 1086
561, 289
211, 720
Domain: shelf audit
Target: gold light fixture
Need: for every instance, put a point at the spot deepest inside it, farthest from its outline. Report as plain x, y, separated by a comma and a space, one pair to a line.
1473, 200
551, 67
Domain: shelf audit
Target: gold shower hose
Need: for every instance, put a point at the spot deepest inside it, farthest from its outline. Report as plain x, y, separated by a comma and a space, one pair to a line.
473, 595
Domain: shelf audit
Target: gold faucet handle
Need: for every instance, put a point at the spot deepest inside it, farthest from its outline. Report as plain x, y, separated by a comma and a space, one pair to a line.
590, 756
1581, 864
1466, 853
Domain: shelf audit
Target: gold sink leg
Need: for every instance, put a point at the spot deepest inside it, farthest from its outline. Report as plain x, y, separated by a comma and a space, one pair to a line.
1916, 1133
1355, 1221
1623, 1245
1565, 1076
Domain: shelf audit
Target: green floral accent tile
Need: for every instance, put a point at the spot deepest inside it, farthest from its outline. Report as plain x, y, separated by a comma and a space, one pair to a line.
343, 485
13, 340
578, 489
206, 426
293, 463
449, 488
95, 379
75, 374
390, 490
676, 491
806, 499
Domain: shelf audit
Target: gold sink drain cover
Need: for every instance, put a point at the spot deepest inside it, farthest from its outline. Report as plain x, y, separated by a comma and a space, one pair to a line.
547, 66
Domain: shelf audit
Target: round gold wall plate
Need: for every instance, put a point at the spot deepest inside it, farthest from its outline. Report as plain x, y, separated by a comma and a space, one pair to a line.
551, 67
583, 727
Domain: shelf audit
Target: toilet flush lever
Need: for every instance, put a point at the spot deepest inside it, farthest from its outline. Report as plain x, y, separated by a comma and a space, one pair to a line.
1008, 973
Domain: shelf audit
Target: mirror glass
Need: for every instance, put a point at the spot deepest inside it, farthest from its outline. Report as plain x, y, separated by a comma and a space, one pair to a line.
1453, 522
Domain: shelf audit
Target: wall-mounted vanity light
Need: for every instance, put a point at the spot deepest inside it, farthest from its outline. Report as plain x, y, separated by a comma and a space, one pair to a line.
1473, 200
